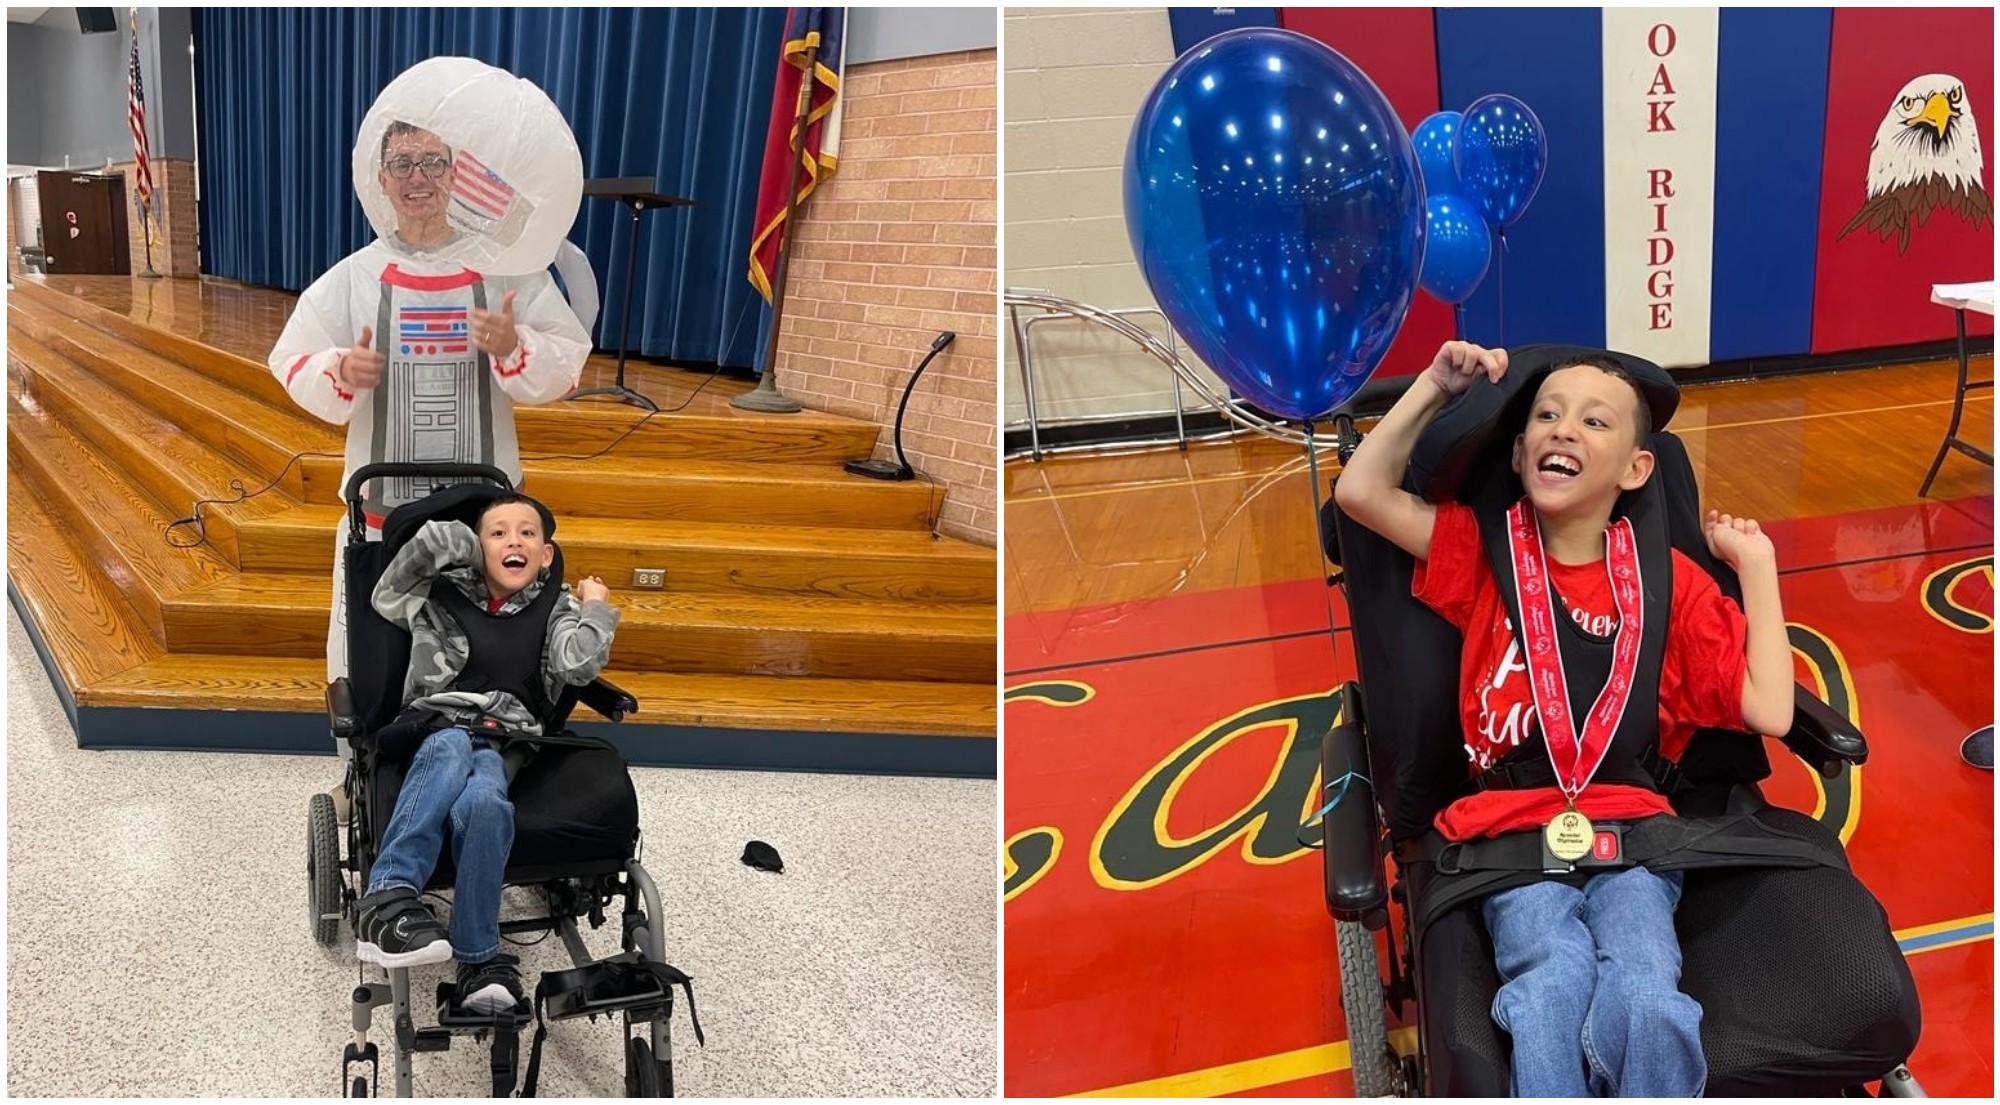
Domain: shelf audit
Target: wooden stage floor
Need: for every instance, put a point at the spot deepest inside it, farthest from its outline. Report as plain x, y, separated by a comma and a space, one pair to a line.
246, 321
1166, 628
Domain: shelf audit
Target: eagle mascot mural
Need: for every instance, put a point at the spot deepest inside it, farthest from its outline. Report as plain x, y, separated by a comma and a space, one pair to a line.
1926, 155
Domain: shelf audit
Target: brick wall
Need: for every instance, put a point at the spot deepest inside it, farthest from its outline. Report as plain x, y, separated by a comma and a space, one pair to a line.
1075, 79
176, 251
899, 245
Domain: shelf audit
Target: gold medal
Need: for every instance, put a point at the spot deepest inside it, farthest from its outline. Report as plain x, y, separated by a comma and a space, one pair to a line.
1569, 836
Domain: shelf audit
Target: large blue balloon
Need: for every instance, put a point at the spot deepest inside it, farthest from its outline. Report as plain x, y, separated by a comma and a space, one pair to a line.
1273, 201
1434, 139
1500, 155
1456, 248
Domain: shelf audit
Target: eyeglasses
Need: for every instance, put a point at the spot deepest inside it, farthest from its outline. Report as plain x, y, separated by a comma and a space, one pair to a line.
433, 167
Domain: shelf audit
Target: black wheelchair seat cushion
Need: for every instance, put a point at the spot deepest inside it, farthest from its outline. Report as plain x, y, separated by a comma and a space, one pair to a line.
575, 813
1802, 987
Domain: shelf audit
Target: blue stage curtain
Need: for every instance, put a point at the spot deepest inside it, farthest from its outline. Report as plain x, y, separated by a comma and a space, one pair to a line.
677, 94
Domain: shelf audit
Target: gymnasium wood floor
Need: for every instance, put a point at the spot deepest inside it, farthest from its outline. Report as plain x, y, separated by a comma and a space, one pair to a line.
1087, 529
801, 601
1166, 643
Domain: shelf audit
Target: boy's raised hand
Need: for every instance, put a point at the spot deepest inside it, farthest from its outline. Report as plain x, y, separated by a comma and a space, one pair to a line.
591, 587
1459, 362
1735, 541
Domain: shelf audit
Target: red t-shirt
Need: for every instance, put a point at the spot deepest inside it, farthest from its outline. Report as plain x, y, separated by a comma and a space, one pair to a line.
1701, 675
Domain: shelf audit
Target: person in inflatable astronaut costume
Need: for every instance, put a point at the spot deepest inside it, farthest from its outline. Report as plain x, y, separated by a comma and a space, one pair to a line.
421, 342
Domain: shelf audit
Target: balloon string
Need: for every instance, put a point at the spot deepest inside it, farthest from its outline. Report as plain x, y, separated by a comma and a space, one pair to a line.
1503, 289
1458, 321
1319, 531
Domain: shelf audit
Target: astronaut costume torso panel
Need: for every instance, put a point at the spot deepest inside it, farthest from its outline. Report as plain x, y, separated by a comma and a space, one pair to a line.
440, 398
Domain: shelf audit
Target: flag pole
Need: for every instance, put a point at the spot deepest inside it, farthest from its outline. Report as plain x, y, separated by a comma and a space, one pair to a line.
146, 230
141, 200
767, 397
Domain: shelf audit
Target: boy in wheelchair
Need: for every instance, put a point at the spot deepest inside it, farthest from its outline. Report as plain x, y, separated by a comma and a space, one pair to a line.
483, 668
1589, 962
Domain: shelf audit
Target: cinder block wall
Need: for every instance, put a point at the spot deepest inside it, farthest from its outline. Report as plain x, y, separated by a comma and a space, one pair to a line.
1075, 79
898, 246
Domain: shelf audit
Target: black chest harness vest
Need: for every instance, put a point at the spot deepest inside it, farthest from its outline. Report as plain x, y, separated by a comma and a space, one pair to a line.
504, 654
1459, 872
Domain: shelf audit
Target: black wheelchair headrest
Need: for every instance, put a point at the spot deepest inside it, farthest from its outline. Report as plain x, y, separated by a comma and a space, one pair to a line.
1464, 436
463, 502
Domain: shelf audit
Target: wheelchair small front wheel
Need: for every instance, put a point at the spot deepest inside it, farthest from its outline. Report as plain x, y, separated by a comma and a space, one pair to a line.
646, 1076
323, 896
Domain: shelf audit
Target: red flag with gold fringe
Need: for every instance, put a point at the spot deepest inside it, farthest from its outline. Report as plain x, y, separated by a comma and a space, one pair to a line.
806, 30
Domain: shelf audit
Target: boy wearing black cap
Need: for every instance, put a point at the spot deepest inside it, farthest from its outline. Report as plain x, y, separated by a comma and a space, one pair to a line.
1590, 970
482, 669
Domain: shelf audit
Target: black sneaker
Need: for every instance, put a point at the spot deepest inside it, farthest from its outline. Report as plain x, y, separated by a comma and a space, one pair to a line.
490, 987
396, 929
1977, 749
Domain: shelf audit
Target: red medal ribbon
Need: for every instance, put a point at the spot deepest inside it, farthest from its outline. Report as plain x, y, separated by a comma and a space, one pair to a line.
1544, 659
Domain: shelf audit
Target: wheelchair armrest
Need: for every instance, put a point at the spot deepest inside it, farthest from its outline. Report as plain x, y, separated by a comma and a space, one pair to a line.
1351, 832
1822, 736
340, 710
607, 699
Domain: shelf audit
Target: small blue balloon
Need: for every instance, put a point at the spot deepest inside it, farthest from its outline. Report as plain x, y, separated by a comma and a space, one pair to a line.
1274, 204
1501, 155
1434, 138
1456, 248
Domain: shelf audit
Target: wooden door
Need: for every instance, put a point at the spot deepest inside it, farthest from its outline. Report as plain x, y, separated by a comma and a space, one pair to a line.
83, 223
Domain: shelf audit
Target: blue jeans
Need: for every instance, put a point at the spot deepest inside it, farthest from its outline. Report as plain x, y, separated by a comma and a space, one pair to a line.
1590, 988
456, 776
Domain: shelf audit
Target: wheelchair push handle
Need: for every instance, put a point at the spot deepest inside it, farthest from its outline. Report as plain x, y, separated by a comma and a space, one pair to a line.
351, 494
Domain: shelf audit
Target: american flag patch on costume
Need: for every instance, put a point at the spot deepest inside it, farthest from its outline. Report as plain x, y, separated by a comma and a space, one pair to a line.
480, 188
428, 331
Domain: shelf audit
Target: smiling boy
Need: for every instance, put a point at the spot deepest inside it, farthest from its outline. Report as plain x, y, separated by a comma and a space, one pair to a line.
1589, 963
480, 678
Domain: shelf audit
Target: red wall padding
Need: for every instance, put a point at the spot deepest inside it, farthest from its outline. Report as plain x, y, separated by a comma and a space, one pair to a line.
1866, 293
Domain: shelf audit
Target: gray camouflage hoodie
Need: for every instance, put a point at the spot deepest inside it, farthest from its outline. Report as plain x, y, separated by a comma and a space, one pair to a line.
575, 648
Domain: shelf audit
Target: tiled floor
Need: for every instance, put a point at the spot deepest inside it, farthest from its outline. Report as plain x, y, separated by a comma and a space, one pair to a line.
157, 938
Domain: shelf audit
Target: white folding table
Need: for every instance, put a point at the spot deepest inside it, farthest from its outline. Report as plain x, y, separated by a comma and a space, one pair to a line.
1961, 298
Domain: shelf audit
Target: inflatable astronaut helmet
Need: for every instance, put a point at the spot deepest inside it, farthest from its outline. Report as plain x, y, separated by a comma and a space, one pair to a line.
506, 169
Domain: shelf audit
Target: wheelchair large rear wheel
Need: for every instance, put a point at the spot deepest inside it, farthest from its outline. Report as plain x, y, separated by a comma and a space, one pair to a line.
1367, 1013
323, 895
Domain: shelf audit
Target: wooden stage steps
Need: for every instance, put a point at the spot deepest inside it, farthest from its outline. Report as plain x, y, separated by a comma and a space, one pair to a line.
810, 621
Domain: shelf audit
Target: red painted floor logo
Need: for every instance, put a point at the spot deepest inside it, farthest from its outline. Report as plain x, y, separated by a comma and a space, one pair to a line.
1185, 949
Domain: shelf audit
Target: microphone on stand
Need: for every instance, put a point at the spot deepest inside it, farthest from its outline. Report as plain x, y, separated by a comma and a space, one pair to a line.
900, 469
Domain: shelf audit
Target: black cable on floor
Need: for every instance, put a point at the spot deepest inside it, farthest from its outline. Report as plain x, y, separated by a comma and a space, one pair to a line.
200, 524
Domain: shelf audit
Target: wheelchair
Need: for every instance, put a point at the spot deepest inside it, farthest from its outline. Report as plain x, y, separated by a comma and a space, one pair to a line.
576, 840
1803, 988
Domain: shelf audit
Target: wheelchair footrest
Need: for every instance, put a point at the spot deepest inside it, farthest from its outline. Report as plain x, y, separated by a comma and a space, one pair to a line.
609, 985
454, 1017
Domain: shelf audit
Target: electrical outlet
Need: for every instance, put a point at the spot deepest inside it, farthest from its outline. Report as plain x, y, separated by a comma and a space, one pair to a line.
654, 578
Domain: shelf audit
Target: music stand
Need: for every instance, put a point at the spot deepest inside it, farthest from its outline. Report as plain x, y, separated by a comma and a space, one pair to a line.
637, 193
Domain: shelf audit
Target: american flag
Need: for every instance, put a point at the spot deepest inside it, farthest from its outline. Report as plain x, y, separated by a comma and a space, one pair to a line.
428, 331
480, 188
135, 113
